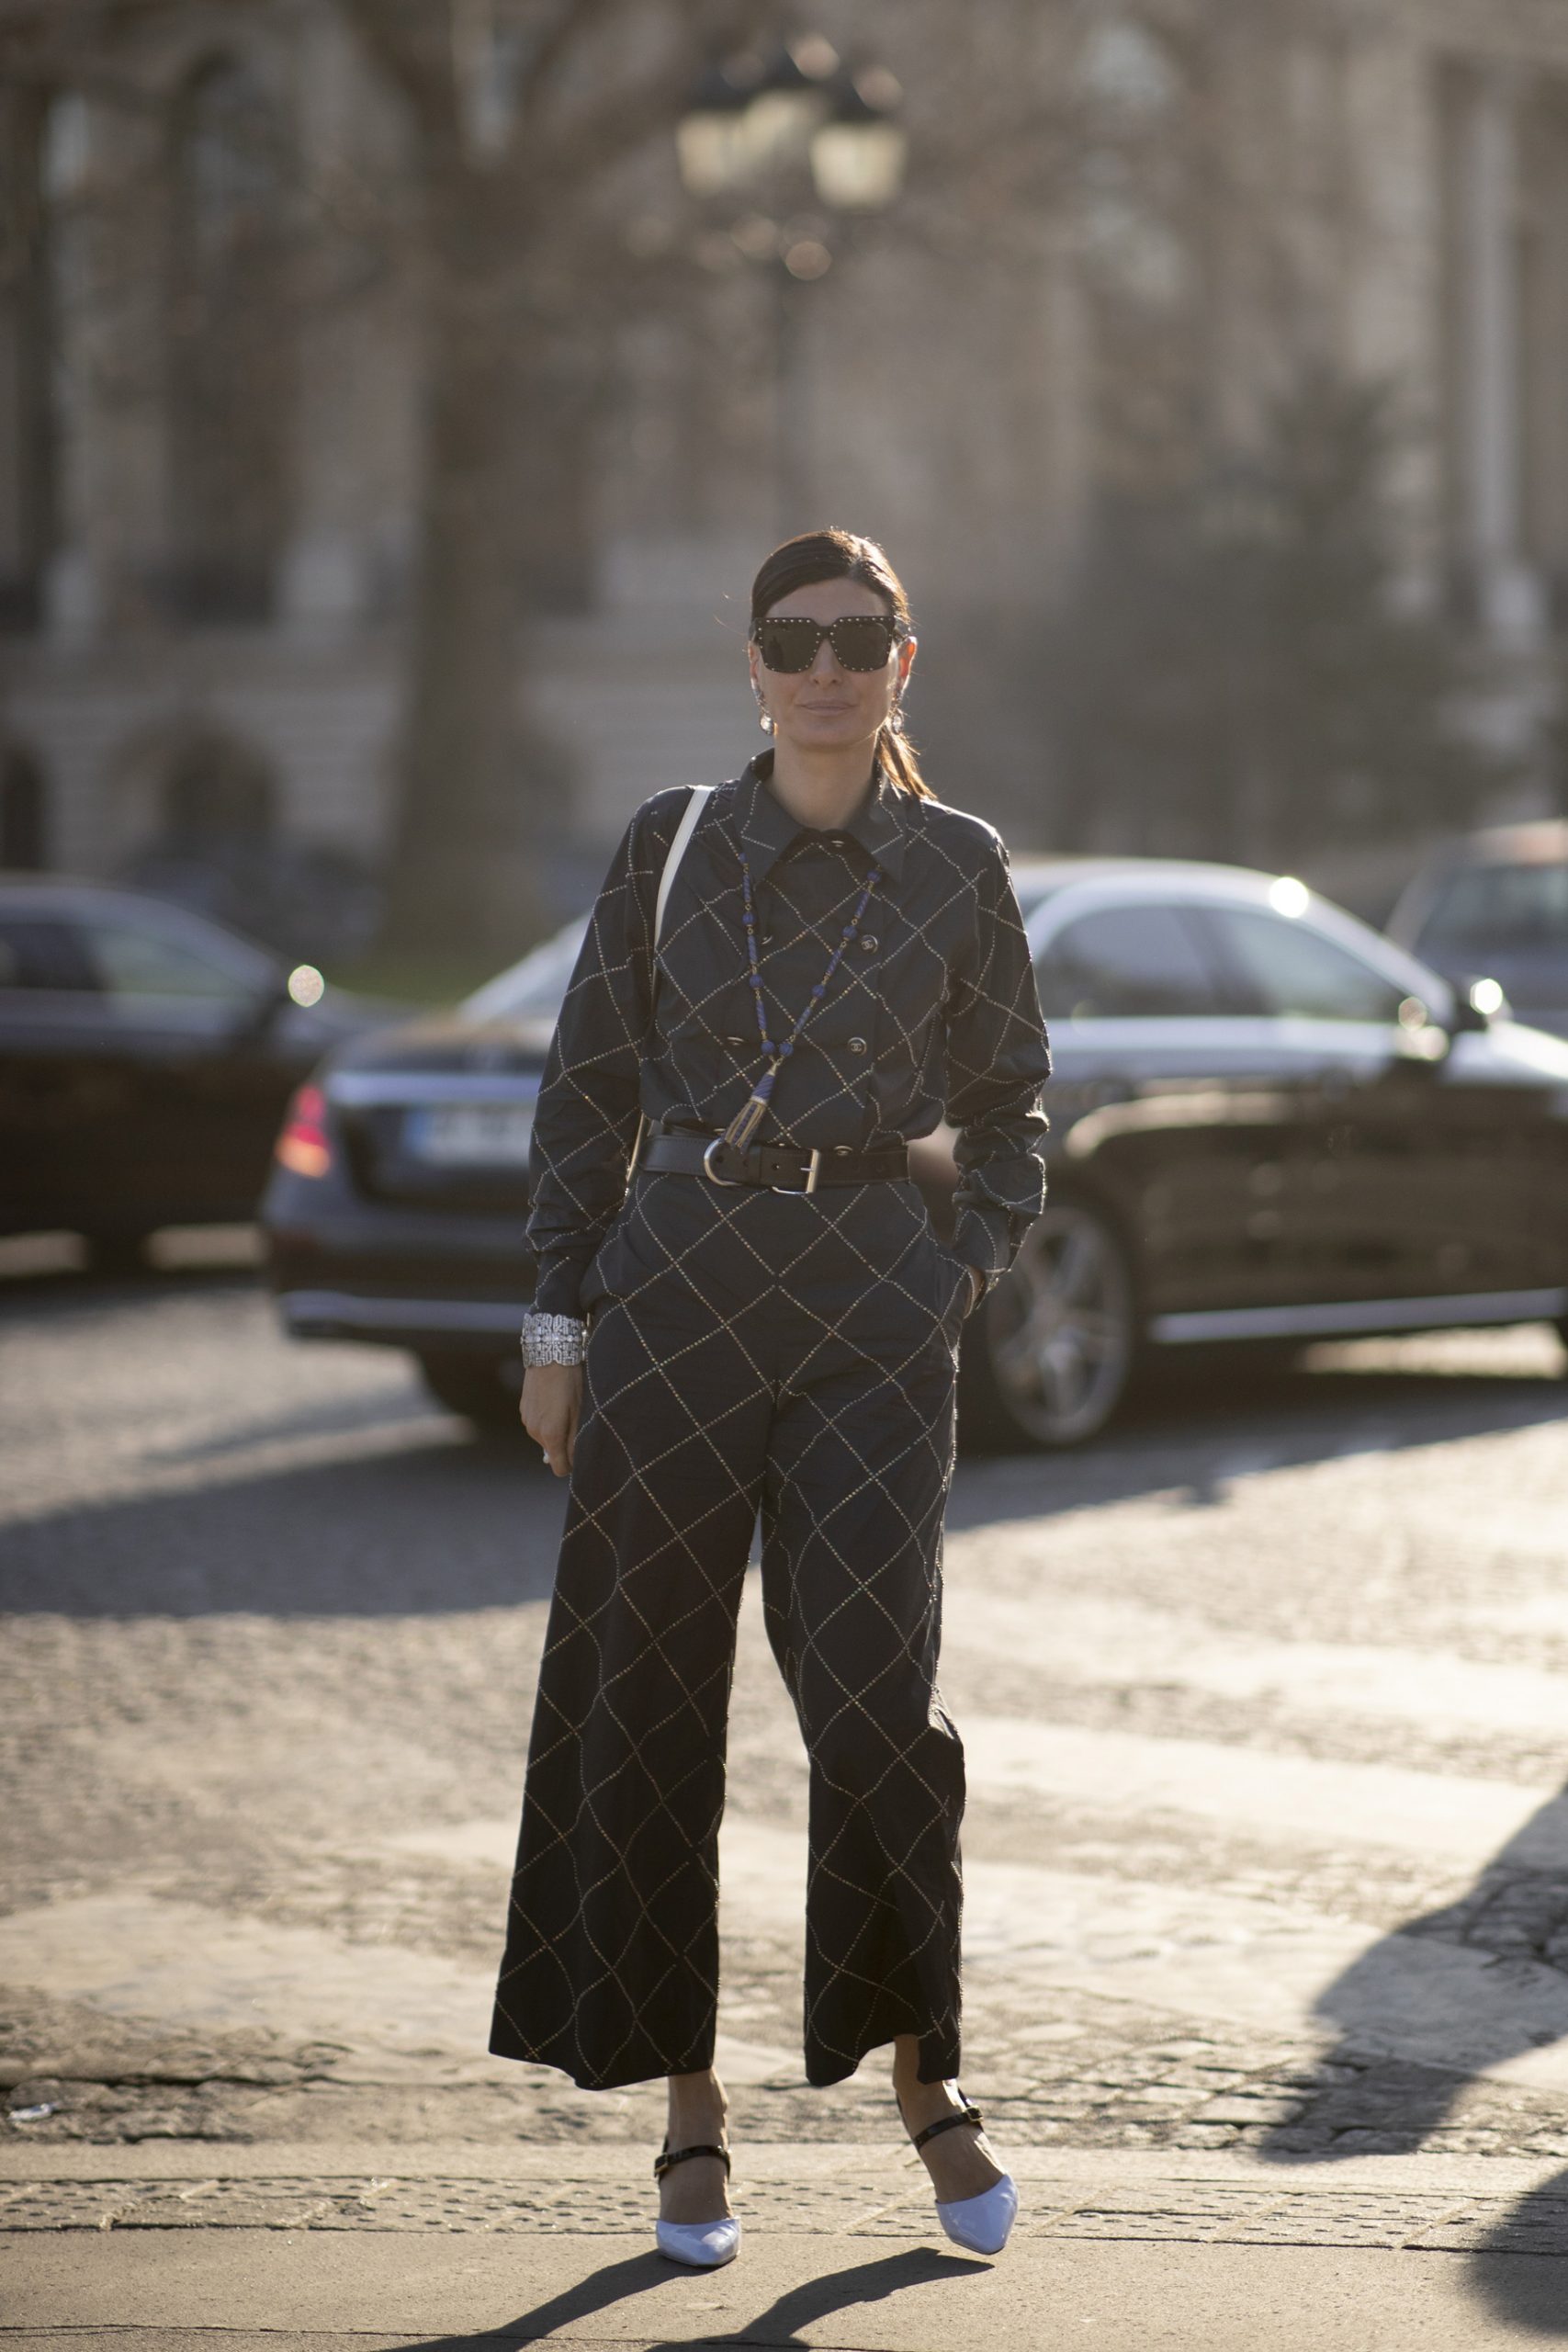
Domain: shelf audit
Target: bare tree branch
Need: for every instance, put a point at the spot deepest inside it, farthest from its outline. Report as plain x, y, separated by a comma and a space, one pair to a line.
576, 147
62, 47
574, 19
53, 69
398, 34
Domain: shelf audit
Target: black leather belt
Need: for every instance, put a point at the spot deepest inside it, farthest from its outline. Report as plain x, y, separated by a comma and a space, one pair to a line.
784, 1168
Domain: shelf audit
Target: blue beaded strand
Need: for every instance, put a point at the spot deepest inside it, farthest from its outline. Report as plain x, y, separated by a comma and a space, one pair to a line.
749, 1118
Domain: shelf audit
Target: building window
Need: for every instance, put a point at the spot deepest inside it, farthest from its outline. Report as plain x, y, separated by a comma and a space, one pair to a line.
214, 828
1504, 188
26, 361
24, 813
230, 349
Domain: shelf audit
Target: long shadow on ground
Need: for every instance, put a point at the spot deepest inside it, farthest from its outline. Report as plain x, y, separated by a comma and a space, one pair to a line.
1447, 1995
816, 2298
428, 1519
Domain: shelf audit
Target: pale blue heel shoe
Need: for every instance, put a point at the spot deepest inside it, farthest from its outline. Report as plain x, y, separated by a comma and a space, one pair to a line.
701, 2245
979, 2224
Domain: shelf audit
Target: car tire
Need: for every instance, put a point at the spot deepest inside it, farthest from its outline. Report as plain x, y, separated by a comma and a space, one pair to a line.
474, 1387
1050, 1354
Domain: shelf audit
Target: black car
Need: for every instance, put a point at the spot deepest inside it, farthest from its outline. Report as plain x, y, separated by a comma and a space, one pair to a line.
146, 1058
1268, 1125
1496, 902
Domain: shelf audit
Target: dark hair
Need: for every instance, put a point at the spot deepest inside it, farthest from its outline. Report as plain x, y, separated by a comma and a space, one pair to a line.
843, 555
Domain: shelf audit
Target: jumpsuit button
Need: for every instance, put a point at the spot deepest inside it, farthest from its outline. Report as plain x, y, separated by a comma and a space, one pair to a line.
857, 1044
868, 944
734, 1041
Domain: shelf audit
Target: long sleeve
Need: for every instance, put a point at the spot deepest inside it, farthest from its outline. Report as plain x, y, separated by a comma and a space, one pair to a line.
998, 1061
586, 1122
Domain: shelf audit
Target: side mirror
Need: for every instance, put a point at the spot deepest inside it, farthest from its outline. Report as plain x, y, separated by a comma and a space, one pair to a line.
278, 993
261, 1007
302, 986
1477, 1003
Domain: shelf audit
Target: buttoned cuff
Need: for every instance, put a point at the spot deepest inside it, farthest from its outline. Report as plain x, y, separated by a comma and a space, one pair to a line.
983, 1238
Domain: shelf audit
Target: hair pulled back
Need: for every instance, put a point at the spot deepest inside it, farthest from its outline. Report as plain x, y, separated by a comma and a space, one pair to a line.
843, 555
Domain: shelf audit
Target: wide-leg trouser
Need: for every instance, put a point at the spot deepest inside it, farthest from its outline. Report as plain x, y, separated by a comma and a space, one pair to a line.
747, 1351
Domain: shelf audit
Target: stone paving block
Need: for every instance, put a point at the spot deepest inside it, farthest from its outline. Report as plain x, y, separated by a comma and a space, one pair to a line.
882, 2206
1535, 2226
1236, 2107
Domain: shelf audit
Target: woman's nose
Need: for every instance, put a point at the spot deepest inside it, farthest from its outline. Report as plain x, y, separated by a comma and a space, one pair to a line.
826, 664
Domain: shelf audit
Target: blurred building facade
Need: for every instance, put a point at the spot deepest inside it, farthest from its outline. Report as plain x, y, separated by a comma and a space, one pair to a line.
210, 393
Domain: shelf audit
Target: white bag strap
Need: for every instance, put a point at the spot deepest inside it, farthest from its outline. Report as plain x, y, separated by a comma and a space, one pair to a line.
701, 795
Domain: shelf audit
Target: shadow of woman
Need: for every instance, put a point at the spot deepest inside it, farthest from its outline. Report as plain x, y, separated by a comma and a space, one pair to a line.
798, 2307
1447, 1997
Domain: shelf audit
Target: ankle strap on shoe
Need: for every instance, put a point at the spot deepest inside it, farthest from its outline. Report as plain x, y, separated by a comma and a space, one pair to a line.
965, 2114
668, 2157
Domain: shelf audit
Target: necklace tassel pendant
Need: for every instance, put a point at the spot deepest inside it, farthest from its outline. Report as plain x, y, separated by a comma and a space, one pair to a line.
749, 1116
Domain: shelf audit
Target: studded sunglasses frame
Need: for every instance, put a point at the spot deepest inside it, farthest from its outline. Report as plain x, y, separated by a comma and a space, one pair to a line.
808, 636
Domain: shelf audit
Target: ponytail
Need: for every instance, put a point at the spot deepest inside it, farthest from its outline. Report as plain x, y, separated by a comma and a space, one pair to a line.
897, 758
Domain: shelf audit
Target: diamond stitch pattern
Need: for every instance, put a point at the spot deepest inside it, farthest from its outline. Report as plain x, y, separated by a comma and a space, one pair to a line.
759, 1353
946, 1004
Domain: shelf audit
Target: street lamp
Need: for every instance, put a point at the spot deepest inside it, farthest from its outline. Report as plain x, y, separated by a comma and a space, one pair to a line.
747, 123
797, 123
858, 154
789, 98
708, 135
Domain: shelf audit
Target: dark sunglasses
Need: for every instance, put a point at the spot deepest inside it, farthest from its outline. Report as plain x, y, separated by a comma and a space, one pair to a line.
865, 641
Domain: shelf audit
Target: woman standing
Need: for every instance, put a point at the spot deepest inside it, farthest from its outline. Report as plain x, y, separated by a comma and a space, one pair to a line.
770, 1326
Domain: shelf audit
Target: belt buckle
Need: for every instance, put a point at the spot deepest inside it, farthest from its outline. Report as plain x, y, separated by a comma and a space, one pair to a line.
731, 1183
813, 1167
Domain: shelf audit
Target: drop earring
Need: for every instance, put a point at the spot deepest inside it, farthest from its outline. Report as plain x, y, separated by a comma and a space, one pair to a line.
895, 715
765, 719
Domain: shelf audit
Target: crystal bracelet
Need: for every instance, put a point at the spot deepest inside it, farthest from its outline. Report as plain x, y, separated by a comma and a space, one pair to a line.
552, 1339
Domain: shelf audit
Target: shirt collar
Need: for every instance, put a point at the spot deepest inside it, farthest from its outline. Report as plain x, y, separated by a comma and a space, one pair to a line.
767, 828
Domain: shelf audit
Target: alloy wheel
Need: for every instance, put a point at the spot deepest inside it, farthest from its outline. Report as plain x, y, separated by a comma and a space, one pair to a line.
1059, 1331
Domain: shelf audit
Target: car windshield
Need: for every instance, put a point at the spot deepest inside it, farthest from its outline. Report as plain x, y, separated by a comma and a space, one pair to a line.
532, 989
1033, 891
1500, 906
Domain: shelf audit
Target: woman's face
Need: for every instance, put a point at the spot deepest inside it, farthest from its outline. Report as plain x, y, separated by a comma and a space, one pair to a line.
827, 707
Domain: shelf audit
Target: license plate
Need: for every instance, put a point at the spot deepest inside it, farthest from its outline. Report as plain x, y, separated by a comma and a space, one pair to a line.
471, 1135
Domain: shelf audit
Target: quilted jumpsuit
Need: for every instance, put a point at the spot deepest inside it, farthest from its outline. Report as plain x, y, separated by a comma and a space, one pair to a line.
750, 1352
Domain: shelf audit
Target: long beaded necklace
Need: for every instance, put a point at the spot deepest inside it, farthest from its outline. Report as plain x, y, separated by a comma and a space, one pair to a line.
749, 1116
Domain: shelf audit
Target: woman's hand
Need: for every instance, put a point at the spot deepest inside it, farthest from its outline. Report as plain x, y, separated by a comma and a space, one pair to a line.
552, 1408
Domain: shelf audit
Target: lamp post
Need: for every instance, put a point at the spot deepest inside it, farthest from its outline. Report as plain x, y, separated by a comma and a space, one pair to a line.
801, 140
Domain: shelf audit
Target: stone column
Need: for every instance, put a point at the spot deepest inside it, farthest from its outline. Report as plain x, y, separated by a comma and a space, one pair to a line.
76, 583
340, 395
1491, 423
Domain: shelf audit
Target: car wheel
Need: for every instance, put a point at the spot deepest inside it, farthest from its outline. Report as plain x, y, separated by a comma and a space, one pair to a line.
1053, 1347
474, 1387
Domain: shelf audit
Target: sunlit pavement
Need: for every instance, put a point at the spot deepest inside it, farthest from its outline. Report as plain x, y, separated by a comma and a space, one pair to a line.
1266, 1705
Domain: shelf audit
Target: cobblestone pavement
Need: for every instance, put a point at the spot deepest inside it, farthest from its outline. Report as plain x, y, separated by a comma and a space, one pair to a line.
1266, 1701
1204, 2214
